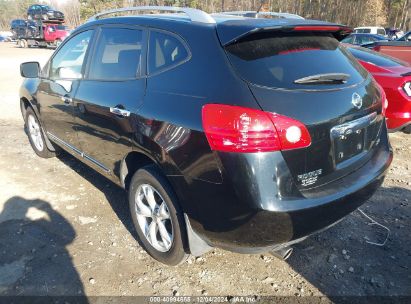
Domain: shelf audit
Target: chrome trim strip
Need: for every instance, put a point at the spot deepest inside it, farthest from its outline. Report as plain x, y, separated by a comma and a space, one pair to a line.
60, 141
96, 163
275, 14
354, 125
89, 158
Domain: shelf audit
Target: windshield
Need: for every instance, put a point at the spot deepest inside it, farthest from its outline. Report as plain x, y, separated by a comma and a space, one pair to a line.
45, 7
279, 61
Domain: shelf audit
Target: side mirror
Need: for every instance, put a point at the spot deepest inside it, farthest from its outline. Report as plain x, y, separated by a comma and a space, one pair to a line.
30, 69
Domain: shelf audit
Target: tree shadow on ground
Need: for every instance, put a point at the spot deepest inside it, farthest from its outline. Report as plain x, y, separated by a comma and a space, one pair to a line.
34, 260
341, 262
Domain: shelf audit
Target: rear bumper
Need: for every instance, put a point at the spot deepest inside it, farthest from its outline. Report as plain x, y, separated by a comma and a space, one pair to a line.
251, 213
398, 121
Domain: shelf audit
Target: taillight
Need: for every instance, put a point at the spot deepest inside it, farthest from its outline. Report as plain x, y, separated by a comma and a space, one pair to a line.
407, 88
238, 129
384, 100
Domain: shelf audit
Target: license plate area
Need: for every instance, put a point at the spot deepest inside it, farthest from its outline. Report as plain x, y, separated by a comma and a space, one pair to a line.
352, 139
348, 145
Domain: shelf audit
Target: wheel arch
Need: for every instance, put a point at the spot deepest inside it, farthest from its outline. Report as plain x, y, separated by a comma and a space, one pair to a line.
24, 105
131, 163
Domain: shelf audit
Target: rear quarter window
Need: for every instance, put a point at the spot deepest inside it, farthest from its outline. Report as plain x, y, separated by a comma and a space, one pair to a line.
277, 61
165, 52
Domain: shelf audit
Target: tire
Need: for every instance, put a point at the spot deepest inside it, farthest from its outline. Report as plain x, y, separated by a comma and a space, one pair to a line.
170, 218
57, 43
407, 129
36, 136
22, 43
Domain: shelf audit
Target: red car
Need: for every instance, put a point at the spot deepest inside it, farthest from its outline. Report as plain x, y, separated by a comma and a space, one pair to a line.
53, 32
394, 76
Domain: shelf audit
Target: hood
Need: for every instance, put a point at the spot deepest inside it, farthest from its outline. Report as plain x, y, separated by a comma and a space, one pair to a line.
395, 71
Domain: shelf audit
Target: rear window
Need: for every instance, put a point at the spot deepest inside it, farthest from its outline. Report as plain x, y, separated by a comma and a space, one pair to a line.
278, 61
375, 58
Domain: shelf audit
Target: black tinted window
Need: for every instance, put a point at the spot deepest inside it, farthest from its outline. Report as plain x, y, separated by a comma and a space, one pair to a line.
348, 39
278, 61
363, 31
165, 51
118, 54
375, 58
364, 39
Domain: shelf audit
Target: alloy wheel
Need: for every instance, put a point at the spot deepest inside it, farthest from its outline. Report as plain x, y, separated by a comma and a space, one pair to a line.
35, 132
153, 217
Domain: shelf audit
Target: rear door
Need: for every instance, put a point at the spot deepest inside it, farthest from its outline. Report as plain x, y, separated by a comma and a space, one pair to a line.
113, 89
343, 117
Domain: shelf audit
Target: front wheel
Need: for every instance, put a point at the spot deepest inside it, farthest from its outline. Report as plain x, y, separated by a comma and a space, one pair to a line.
36, 136
157, 217
57, 42
23, 43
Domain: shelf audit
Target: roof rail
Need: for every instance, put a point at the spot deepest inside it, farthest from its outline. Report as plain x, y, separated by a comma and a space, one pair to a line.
254, 14
195, 15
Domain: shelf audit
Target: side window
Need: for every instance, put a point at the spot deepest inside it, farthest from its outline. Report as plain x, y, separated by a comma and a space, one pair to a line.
381, 32
118, 54
68, 62
366, 39
165, 51
348, 39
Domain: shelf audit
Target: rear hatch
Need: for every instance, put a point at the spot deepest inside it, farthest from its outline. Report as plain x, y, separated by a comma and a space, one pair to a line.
304, 73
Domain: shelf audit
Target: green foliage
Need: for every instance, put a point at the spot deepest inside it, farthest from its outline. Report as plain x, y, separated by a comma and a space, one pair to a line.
10, 10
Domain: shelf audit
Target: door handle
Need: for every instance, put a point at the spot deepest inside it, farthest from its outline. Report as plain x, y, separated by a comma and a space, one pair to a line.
120, 112
67, 100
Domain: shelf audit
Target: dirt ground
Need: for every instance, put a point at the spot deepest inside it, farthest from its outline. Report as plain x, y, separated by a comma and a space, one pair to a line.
65, 230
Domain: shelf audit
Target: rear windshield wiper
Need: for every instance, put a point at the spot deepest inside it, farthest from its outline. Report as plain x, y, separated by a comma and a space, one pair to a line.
330, 78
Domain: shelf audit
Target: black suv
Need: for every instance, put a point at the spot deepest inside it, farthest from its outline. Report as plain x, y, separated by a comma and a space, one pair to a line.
239, 133
44, 12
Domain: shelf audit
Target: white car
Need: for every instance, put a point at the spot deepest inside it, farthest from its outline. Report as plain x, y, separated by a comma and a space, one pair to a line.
370, 30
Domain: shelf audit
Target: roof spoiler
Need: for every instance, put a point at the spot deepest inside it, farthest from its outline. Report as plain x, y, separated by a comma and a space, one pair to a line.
230, 36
